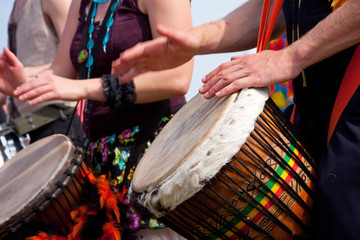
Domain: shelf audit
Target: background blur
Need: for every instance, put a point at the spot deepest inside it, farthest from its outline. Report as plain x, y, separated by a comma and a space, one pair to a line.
203, 11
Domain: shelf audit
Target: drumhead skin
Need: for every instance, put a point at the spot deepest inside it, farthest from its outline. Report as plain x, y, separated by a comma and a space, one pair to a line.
199, 140
25, 177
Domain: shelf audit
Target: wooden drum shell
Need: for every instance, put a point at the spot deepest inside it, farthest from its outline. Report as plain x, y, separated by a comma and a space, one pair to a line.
264, 190
217, 211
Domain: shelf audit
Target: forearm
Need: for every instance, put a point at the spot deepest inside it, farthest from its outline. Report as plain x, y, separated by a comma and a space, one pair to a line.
159, 85
32, 71
338, 31
237, 31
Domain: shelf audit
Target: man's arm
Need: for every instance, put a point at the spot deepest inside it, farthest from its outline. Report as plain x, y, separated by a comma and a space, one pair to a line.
236, 31
338, 31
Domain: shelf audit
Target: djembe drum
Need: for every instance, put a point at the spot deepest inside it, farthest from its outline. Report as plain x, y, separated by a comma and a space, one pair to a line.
230, 168
42, 183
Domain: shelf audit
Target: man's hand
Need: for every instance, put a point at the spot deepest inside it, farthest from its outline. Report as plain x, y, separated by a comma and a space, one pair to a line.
252, 70
173, 49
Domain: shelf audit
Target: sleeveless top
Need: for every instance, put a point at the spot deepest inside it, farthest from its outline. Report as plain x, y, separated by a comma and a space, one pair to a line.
34, 41
130, 27
316, 88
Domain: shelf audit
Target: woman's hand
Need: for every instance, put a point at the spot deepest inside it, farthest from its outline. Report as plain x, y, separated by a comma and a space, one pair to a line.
252, 70
47, 87
11, 72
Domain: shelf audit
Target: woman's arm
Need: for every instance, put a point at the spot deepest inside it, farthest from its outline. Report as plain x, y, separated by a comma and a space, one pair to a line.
154, 86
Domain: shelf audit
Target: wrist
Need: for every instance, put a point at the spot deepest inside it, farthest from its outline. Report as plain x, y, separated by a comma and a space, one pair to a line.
117, 95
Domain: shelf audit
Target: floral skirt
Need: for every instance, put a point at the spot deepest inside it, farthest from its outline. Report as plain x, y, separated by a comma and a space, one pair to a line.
109, 156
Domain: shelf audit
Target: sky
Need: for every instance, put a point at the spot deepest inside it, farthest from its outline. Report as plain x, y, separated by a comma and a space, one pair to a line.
202, 10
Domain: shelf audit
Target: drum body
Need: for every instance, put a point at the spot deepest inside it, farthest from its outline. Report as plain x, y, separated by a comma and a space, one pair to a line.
41, 184
228, 169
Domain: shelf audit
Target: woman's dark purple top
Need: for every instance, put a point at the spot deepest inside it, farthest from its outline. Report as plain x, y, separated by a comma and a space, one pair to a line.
130, 27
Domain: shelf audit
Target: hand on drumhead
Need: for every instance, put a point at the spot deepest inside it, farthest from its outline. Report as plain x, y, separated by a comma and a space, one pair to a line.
172, 50
251, 70
11, 72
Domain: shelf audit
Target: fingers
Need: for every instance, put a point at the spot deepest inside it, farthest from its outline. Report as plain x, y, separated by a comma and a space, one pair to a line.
128, 76
227, 77
11, 58
233, 87
128, 59
32, 89
117, 67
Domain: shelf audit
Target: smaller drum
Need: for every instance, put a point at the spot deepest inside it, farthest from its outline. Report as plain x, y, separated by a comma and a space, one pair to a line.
230, 168
42, 183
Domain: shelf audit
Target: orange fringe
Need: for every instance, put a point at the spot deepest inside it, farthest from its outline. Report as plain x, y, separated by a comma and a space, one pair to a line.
108, 200
107, 196
45, 236
111, 232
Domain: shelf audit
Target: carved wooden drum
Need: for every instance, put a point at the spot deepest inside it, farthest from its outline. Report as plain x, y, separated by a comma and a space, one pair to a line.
230, 168
41, 184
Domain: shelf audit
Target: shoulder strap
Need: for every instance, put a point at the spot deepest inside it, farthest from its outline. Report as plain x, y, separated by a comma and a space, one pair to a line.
267, 22
349, 84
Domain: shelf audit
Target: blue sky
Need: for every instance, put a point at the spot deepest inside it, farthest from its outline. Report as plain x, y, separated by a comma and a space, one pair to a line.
203, 11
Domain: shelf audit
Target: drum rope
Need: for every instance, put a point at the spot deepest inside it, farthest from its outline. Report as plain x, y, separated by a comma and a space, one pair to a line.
226, 224
279, 203
223, 218
282, 121
282, 163
275, 137
186, 225
200, 222
275, 156
289, 132
254, 204
244, 217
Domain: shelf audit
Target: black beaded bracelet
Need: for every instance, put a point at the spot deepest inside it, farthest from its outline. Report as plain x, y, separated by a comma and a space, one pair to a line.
117, 94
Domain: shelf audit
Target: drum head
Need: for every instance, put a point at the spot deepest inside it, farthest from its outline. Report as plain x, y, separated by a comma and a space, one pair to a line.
25, 176
195, 123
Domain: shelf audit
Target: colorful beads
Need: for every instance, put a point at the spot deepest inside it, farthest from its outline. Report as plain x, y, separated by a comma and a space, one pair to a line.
83, 56
86, 54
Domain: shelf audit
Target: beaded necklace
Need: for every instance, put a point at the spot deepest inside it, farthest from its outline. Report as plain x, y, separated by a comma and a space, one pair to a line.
86, 55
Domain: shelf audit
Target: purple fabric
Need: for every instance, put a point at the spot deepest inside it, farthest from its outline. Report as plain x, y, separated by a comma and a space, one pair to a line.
130, 27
